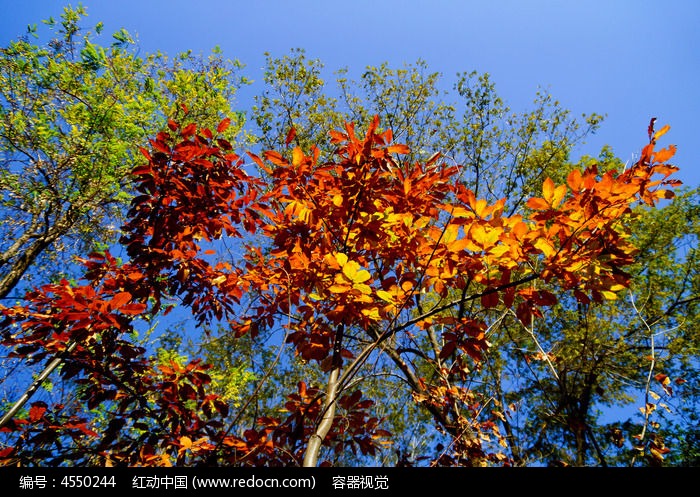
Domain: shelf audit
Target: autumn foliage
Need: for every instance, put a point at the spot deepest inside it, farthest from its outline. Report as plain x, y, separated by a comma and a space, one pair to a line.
367, 245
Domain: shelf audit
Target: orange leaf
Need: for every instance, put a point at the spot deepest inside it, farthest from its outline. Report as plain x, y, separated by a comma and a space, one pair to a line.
342, 288
548, 190
647, 151
574, 180
337, 136
398, 149
297, 157
186, 442
260, 163
276, 158
538, 204
665, 154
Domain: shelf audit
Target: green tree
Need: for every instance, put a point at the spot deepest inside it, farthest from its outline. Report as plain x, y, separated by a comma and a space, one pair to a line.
73, 115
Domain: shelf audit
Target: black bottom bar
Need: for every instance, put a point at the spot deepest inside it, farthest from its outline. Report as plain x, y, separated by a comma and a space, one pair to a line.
149, 482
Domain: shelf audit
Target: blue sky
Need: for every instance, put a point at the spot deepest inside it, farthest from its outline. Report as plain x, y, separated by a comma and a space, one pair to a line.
627, 59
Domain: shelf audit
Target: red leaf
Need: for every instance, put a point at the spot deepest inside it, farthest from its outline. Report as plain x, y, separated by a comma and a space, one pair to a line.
120, 299
662, 378
223, 125
189, 130
650, 129
132, 309
489, 300
290, 136
447, 349
36, 412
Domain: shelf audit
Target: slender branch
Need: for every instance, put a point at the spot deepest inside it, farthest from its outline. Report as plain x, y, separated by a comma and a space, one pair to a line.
362, 356
29, 393
652, 365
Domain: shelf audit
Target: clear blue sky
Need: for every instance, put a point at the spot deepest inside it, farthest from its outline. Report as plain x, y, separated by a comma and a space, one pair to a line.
627, 59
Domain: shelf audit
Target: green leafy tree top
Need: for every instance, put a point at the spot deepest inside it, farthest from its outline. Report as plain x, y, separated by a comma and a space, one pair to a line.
73, 114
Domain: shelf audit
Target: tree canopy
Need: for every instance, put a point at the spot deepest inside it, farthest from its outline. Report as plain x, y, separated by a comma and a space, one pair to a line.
73, 114
387, 274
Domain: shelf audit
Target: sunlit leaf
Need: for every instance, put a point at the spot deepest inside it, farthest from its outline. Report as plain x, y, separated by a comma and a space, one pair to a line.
661, 132
665, 154
297, 156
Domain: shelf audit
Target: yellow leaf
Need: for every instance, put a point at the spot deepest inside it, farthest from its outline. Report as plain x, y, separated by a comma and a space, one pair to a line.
362, 287
372, 313
341, 258
558, 196
385, 296
315, 296
450, 234
499, 250
462, 212
297, 156
609, 295
366, 297
186, 442
544, 246
353, 272
661, 132
339, 288
483, 235
337, 200
480, 208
